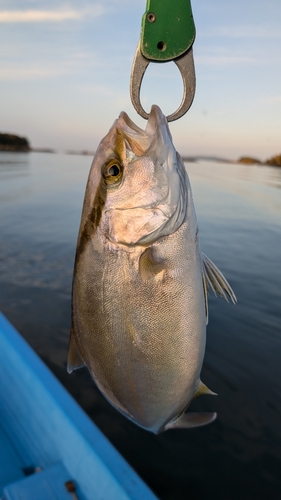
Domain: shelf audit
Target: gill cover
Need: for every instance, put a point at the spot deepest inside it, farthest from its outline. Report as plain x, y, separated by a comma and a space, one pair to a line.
152, 199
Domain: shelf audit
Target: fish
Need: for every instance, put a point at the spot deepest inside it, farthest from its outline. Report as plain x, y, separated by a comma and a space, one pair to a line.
140, 281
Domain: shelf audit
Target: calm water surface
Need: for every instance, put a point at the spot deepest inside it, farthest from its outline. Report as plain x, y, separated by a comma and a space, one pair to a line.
239, 214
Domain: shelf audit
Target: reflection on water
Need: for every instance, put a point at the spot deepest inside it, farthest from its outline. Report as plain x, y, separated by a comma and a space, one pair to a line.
13, 165
7, 159
238, 209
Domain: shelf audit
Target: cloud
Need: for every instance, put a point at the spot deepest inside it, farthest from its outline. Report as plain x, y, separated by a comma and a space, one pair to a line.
46, 68
8, 74
58, 15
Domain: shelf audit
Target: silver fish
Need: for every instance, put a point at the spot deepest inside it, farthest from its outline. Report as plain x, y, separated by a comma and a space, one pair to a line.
140, 281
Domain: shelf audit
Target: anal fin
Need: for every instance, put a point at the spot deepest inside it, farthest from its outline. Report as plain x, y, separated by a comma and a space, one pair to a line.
74, 359
203, 389
190, 420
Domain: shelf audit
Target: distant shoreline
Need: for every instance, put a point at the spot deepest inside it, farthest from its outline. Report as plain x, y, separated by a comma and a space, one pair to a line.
16, 144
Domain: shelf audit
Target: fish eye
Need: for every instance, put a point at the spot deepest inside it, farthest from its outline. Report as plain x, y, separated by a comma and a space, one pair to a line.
112, 171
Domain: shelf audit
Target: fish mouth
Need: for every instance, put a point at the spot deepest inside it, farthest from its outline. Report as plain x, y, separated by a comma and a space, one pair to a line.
156, 118
156, 136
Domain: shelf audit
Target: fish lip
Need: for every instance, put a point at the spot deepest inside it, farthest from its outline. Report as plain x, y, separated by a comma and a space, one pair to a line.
156, 114
157, 120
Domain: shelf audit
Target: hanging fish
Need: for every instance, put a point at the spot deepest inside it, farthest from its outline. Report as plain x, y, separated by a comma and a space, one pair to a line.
140, 280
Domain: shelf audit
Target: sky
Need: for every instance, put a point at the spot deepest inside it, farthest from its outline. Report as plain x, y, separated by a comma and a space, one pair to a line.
65, 72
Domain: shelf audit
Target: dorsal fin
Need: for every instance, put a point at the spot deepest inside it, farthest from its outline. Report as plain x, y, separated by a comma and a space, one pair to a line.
148, 266
215, 280
74, 359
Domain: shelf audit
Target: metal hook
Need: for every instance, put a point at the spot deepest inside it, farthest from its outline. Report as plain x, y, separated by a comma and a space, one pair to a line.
185, 64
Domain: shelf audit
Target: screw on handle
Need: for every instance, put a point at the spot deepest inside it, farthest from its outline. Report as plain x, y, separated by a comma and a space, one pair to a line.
71, 488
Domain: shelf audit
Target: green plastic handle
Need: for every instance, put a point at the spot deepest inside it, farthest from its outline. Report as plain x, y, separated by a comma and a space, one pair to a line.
168, 29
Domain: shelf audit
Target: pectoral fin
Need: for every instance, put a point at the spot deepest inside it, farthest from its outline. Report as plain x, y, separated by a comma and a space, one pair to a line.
74, 360
148, 266
214, 279
190, 420
205, 290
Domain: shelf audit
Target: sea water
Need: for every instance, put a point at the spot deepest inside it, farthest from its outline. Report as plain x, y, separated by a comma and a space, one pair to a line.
239, 214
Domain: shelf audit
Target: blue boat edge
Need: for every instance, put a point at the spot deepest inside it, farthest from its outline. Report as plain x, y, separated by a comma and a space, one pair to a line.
49, 427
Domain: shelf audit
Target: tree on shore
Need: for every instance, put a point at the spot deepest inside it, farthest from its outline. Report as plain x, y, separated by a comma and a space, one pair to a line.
11, 142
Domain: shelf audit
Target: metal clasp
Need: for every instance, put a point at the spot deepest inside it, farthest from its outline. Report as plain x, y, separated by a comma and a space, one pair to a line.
185, 63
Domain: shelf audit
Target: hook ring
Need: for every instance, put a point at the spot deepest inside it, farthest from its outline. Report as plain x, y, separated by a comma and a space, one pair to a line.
185, 63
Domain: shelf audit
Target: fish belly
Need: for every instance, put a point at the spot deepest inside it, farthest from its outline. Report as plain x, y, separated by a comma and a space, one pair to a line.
143, 341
